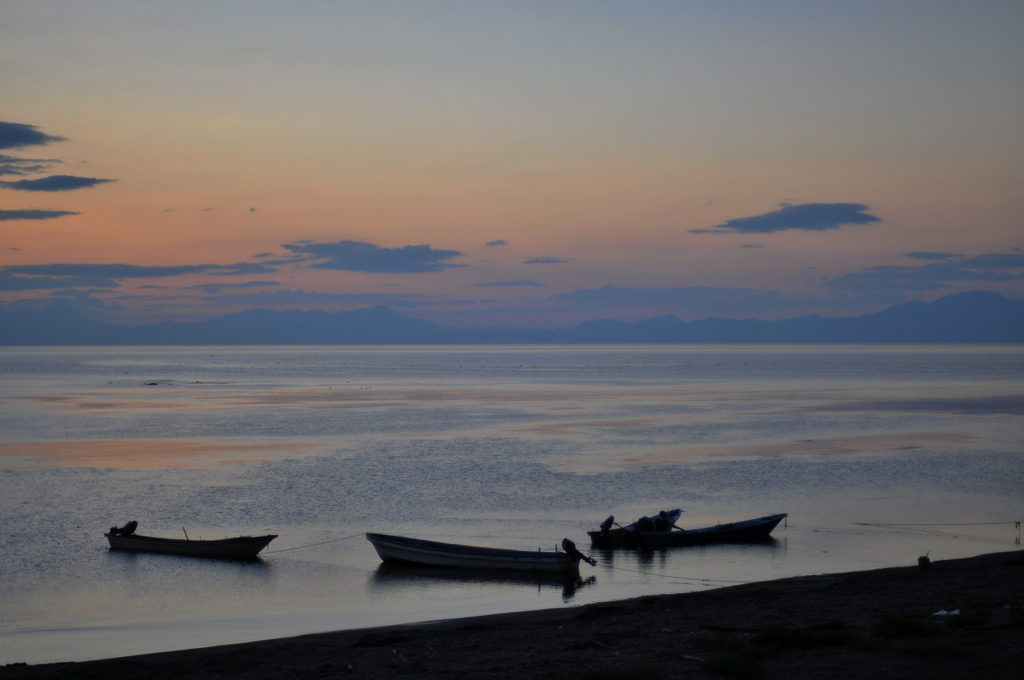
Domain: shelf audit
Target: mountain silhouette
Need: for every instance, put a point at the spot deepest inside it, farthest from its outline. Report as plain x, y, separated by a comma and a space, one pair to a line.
971, 317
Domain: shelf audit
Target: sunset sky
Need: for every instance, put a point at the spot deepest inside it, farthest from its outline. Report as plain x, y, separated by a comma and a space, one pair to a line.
531, 164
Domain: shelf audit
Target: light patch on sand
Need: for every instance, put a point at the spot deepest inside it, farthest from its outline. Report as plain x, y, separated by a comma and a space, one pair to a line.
141, 453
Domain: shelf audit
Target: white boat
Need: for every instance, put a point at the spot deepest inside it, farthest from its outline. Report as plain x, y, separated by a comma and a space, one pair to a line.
400, 549
239, 546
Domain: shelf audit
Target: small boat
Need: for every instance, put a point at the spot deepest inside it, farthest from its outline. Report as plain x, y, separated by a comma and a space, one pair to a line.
125, 538
399, 549
746, 531
622, 536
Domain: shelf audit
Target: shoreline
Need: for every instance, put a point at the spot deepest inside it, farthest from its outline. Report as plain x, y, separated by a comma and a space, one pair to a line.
836, 624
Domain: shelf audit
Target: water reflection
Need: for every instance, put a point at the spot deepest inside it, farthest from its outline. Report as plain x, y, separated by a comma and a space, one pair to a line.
643, 555
486, 445
648, 556
694, 566
391, 576
128, 558
705, 563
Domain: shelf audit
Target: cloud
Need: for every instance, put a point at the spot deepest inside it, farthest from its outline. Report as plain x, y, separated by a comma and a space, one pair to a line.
18, 135
11, 215
83, 300
807, 217
280, 263
547, 260
511, 284
55, 183
12, 165
499, 242
9, 282
931, 256
299, 298
113, 271
988, 268
238, 269
994, 261
357, 256
48, 276
214, 288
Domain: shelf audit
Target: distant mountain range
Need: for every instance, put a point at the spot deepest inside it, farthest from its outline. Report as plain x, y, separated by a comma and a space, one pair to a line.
973, 317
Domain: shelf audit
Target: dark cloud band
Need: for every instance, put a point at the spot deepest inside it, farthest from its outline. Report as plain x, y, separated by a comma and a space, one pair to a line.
18, 135
357, 256
50, 276
12, 215
54, 183
9, 282
944, 274
547, 260
12, 165
806, 217
511, 284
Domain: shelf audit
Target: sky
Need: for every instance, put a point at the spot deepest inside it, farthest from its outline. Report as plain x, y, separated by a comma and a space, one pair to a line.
526, 164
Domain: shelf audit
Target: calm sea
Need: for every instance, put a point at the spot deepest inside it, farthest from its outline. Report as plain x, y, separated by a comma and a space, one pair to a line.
878, 454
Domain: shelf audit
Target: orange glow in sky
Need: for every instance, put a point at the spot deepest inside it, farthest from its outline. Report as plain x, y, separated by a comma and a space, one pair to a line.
470, 163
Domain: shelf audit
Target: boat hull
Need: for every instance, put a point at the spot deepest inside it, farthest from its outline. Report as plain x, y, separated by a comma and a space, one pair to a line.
735, 532
609, 540
402, 550
242, 546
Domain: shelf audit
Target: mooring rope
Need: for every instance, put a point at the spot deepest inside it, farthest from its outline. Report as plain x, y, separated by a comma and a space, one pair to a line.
1014, 523
937, 524
702, 581
299, 547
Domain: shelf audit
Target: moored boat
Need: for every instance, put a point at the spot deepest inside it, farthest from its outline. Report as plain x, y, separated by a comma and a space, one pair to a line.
403, 550
125, 538
746, 531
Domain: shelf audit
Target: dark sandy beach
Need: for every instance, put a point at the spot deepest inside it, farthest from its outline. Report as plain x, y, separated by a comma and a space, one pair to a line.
871, 624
